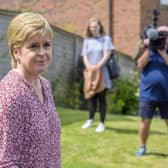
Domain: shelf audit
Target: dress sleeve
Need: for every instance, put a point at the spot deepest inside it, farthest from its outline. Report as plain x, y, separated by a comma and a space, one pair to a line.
84, 48
11, 131
108, 45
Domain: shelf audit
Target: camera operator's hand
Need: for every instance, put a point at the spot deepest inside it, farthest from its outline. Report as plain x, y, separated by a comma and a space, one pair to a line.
164, 55
143, 59
146, 43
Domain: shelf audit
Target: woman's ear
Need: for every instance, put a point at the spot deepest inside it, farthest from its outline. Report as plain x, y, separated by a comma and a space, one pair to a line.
16, 53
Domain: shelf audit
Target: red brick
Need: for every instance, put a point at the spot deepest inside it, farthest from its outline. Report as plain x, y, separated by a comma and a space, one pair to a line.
129, 17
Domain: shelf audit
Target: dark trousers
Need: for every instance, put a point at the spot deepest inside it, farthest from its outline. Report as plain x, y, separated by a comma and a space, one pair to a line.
101, 99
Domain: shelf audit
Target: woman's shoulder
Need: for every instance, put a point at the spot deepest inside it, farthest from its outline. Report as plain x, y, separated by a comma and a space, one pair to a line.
11, 86
87, 39
107, 37
13, 95
45, 82
9, 81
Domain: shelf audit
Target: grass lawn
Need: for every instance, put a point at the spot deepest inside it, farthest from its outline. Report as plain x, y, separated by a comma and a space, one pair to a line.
114, 148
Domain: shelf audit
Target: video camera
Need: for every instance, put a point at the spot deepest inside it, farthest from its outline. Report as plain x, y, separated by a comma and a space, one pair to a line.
157, 39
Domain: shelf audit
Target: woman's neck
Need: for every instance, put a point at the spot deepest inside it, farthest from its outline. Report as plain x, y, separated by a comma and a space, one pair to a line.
34, 81
96, 35
31, 79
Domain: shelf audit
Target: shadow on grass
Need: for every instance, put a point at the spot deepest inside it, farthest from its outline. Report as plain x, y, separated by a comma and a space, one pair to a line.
123, 131
132, 131
164, 155
70, 116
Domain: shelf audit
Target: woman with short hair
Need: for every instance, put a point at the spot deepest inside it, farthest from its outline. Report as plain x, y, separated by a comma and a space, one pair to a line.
29, 124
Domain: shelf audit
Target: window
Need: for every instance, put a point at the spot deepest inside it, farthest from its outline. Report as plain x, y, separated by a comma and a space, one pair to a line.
164, 2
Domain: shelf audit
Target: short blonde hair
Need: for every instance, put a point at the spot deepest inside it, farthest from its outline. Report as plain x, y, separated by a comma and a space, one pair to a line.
88, 33
23, 27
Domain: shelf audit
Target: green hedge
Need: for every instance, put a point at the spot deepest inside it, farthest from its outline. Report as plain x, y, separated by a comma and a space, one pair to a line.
69, 95
121, 99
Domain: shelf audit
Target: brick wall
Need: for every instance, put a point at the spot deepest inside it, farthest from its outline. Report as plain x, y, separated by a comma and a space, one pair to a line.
126, 24
147, 10
71, 15
129, 17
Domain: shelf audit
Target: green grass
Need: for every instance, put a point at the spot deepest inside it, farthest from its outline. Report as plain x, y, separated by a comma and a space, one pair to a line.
114, 148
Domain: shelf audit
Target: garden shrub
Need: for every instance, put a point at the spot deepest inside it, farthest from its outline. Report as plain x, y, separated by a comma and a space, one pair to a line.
123, 97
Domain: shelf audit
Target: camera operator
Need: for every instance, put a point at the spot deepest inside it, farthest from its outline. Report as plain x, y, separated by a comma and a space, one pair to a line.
143, 60
153, 64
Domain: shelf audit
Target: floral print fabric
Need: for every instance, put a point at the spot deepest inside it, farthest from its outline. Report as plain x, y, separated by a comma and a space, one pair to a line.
29, 129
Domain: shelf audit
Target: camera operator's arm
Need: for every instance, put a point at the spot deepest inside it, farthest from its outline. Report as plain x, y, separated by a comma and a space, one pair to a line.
143, 60
164, 55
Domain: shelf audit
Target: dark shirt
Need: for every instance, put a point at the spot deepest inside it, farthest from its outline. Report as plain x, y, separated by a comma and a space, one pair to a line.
154, 79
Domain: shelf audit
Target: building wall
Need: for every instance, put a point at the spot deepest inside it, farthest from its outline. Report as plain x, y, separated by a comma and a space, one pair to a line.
129, 17
71, 15
147, 8
4, 54
126, 24
66, 50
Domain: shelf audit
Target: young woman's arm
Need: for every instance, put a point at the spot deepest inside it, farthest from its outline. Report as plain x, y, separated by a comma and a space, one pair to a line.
105, 57
86, 62
108, 49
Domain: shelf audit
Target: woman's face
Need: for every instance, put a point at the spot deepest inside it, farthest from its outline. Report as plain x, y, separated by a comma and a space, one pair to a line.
34, 55
94, 28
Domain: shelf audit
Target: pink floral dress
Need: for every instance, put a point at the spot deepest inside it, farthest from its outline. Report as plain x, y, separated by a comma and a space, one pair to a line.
29, 129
